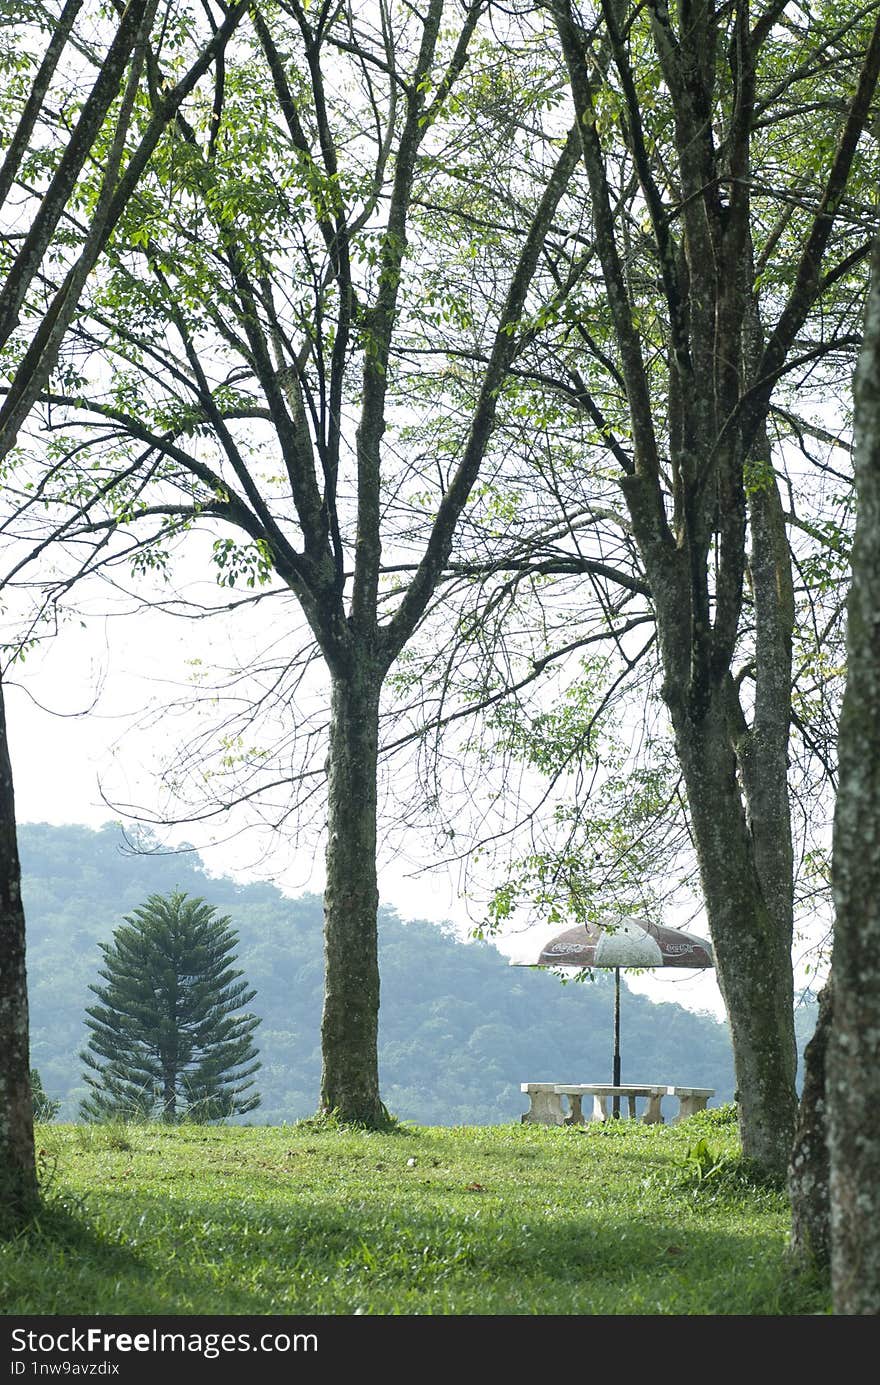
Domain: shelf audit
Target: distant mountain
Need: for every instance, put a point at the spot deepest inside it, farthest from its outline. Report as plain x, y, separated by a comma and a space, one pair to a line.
460, 1028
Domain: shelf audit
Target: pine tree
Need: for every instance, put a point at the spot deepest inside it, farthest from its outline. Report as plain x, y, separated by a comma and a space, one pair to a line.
166, 1041
45, 1109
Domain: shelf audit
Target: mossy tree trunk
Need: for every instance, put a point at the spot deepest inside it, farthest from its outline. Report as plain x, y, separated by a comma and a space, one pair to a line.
349, 1028
752, 952
18, 1179
854, 1046
808, 1177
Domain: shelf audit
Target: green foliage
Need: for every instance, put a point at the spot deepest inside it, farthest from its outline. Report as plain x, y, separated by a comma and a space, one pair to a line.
331, 1120
166, 1037
44, 1108
713, 1170
607, 851
701, 1162
235, 561
727, 1114
521, 1220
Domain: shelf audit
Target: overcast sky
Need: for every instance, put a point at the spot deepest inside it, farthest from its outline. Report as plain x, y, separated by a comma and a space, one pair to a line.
71, 744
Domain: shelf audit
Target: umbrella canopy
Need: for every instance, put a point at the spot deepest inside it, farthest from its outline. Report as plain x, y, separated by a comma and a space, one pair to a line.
627, 944
624, 944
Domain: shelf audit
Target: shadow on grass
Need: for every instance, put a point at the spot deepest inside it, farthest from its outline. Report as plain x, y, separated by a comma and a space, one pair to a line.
527, 1221
203, 1256
64, 1226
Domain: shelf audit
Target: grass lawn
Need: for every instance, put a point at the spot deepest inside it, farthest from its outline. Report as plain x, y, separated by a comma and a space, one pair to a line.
309, 1219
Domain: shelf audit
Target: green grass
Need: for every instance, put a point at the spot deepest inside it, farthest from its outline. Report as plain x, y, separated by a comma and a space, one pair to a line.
310, 1219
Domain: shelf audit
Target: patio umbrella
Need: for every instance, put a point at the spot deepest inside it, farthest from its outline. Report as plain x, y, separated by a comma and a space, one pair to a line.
617, 945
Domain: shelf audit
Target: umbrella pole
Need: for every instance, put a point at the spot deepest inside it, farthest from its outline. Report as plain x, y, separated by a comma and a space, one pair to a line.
616, 1069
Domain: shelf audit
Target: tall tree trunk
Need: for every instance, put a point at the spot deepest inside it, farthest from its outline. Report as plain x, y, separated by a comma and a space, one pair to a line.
349, 1027
753, 961
762, 750
854, 1048
808, 1177
18, 1178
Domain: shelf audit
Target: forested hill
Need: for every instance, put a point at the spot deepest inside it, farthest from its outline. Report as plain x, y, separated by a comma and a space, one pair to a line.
459, 1027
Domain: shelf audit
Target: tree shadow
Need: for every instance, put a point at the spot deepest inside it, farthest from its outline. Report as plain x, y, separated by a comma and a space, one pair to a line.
62, 1226
295, 1257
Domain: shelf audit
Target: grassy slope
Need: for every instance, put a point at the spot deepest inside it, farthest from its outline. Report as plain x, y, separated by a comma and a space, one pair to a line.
623, 1219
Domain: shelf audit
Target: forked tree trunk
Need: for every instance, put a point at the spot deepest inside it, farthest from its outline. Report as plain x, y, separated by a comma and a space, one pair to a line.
854, 1048
18, 1180
349, 1028
753, 959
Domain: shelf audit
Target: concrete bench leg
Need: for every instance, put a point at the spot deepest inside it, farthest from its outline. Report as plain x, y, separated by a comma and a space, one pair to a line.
575, 1113
653, 1114
600, 1108
545, 1107
690, 1105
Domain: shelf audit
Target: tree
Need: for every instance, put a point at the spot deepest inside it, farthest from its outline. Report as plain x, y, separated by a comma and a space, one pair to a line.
809, 1171
655, 418
45, 1109
719, 278
262, 294
726, 346
18, 1179
32, 331
166, 1039
39, 178
706, 267
853, 1062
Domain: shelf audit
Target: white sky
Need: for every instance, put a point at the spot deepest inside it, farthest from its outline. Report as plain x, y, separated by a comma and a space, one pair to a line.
62, 743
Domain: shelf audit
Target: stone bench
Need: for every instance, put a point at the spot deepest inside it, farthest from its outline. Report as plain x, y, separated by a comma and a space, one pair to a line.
546, 1108
690, 1100
603, 1101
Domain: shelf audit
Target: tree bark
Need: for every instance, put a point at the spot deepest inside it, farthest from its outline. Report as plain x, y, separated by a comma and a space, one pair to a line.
753, 960
18, 1178
350, 1022
809, 1172
169, 1095
854, 1048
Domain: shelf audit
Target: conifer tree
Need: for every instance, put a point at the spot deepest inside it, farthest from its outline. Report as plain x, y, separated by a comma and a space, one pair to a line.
167, 1040
45, 1109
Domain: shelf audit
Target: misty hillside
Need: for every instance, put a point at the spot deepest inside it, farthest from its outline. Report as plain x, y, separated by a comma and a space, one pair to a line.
459, 1027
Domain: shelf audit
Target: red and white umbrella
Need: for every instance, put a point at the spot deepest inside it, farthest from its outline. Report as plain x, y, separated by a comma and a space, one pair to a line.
623, 944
